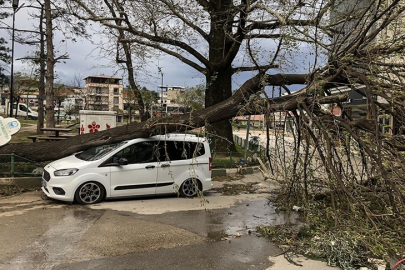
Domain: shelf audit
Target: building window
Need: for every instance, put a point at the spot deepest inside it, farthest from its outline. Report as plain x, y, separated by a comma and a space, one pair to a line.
98, 90
115, 100
98, 99
116, 91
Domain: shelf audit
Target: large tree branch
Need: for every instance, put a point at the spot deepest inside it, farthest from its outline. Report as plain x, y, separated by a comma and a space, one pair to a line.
45, 151
185, 20
265, 67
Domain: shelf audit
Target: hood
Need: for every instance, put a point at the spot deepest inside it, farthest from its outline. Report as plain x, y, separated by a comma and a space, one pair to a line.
33, 113
70, 162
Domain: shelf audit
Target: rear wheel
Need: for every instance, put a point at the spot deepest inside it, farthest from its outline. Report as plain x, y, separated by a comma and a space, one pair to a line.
89, 193
190, 187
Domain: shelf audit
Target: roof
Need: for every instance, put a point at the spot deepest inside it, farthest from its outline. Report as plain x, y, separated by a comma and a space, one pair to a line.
103, 76
258, 117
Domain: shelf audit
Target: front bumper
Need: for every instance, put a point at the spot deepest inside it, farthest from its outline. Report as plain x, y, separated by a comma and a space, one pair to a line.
56, 192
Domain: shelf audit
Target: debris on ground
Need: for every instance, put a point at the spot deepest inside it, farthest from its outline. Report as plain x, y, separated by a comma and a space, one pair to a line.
235, 189
10, 190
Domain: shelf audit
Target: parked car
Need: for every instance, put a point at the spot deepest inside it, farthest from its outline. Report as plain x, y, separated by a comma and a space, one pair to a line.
146, 166
21, 110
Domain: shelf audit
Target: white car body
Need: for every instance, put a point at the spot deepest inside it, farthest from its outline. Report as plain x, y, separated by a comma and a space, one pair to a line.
143, 175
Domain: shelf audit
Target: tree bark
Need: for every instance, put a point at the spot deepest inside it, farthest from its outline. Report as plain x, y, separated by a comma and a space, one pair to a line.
50, 64
42, 70
219, 77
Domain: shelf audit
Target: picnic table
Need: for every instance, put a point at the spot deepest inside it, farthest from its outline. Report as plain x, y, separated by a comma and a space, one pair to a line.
57, 136
56, 130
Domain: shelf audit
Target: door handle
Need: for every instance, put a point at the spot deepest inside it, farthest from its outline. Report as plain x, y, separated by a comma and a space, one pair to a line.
150, 167
165, 165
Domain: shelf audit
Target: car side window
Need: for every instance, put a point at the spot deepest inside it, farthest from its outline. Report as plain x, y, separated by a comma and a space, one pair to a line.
137, 153
174, 150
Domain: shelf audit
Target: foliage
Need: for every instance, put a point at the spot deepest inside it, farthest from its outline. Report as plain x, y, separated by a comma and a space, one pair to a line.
149, 97
192, 99
5, 56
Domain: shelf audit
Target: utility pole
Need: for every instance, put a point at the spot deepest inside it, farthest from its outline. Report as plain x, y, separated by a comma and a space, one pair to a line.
15, 9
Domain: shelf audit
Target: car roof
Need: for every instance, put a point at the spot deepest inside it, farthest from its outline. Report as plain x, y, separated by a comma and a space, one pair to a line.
173, 137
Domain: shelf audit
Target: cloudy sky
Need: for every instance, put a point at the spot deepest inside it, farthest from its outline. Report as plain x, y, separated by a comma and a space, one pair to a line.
85, 60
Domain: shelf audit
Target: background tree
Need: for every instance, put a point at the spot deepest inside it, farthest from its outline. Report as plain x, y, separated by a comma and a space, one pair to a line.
192, 99
4, 60
150, 98
5, 56
60, 94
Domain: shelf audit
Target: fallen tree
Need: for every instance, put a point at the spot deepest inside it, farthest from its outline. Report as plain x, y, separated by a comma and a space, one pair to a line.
46, 151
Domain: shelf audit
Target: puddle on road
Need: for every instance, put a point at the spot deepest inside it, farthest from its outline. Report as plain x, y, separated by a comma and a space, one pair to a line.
240, 219
243, 219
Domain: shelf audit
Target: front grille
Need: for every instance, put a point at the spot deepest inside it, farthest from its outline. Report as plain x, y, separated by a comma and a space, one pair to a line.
46, 176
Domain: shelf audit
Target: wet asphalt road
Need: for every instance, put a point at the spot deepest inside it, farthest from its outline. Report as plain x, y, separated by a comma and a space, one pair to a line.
39, 234
147, 233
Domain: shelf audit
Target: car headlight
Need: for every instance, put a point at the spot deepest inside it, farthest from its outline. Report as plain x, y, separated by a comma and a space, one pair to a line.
65, 172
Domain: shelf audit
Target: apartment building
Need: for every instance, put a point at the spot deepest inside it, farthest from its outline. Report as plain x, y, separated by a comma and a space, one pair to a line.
103, 93
168, 96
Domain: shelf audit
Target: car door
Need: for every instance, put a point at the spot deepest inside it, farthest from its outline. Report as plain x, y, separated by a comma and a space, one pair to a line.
174, 166
138, 176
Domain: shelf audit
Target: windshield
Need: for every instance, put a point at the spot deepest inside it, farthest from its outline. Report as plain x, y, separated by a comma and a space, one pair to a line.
98, 152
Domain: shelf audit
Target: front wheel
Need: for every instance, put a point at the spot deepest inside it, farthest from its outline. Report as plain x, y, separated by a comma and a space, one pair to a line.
89, 193
189, 188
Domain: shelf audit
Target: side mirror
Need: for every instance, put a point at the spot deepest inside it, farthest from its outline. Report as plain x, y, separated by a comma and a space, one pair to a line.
123, 161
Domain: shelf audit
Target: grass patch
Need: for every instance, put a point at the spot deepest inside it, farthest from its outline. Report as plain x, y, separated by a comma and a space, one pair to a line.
228, 178
10, 190
236, 189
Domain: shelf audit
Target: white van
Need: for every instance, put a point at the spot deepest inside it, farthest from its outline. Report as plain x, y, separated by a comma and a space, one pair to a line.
172, 163
24, 110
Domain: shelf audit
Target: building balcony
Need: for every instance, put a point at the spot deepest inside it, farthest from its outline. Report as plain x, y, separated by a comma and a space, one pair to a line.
102, 93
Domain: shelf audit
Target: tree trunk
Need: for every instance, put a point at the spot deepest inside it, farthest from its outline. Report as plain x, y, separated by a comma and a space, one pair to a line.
218, 90
219, 77
50, 64
131, 80
42, 70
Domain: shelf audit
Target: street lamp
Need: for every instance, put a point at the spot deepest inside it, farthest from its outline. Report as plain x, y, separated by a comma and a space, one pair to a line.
161, 89
15, 7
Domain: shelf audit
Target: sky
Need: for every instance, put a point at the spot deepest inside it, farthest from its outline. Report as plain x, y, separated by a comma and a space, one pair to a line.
84, 60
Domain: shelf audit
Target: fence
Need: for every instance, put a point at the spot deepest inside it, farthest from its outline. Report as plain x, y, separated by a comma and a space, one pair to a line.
14, 165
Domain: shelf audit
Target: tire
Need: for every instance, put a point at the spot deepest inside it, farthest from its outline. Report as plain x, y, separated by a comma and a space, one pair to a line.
89, 193
190, 187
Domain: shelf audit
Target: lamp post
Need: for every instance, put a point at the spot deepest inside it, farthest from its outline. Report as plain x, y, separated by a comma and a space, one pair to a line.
15, 6
161, 90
